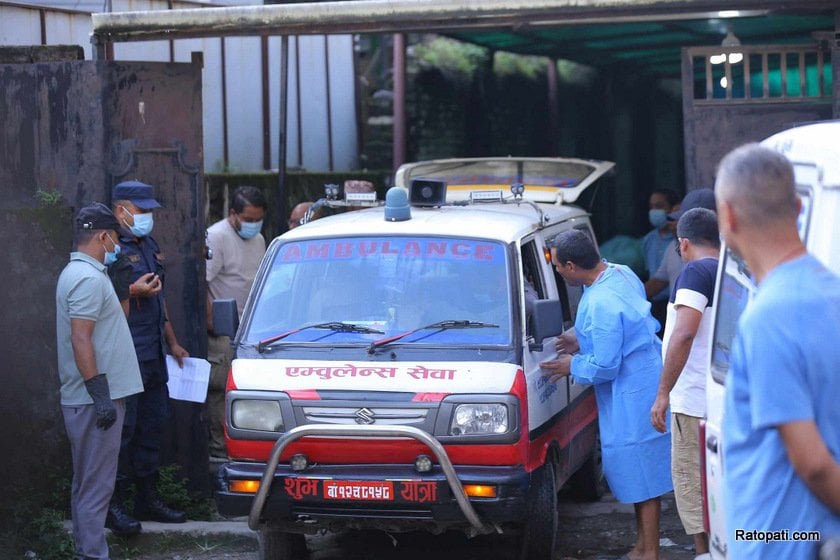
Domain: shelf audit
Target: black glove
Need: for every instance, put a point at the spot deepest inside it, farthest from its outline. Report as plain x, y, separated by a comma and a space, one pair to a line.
97, 388
120, 273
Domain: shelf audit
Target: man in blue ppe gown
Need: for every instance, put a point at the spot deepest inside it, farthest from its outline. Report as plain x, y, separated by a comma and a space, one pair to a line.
614, 347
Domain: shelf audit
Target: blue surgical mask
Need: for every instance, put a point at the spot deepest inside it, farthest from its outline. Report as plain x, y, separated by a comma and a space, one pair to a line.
657, 217
111, 256
247, 230
143, 224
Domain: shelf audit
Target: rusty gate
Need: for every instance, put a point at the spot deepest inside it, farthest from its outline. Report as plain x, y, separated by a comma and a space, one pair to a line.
70, 130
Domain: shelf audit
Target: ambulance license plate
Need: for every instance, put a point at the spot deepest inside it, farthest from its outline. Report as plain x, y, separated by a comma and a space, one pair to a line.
358, 490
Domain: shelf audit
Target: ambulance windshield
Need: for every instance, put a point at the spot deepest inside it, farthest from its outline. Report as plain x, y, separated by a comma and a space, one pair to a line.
390, 285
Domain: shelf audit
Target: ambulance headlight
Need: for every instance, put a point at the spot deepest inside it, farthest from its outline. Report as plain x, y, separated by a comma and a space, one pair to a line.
262, 415
484, 418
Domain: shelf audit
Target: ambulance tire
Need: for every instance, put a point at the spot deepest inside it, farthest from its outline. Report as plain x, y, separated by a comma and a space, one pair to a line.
540, 531
588, 484
274, 544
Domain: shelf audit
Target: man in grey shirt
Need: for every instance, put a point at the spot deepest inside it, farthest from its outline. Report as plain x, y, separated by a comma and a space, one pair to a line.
97, 368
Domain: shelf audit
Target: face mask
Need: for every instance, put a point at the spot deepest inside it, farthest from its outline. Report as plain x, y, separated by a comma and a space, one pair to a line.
111, 256
143, 224
247, 230
657, 217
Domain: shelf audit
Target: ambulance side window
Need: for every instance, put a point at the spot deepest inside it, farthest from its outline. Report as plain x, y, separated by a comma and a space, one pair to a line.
532, 280
531, 270
569, 295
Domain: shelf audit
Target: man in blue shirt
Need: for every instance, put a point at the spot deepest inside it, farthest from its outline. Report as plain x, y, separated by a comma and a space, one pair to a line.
781, 425
662, 203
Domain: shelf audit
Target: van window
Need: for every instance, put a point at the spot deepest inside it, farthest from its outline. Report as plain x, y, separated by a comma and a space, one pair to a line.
733, 294
804, 218
387, 284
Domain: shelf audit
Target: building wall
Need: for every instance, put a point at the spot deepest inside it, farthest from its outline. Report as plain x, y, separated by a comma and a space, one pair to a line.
325, 70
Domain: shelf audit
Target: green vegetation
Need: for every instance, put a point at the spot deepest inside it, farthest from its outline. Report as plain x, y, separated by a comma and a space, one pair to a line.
531, 67
449, 54
35, 527
48, 198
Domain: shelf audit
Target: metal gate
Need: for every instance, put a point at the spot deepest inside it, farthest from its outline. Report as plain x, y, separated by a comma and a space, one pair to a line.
734, 95
70, 131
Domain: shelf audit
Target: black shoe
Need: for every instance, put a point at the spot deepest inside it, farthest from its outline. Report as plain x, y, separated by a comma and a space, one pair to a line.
120, 522
156, 510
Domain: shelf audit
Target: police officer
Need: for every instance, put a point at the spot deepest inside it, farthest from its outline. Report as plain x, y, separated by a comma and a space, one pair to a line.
148, 320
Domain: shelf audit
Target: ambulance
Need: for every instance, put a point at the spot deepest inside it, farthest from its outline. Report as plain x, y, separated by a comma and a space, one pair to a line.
386, 372
815, 154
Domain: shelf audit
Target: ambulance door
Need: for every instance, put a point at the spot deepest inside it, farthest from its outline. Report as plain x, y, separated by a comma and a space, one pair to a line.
545, 400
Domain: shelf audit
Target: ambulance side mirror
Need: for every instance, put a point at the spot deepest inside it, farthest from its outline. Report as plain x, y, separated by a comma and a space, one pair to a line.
546, 322
225, 317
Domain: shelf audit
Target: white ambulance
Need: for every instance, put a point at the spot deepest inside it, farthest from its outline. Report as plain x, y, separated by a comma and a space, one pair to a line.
386, 370
814, 151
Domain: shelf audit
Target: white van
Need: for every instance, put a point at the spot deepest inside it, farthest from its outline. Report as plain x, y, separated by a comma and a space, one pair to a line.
386, 371
814, 151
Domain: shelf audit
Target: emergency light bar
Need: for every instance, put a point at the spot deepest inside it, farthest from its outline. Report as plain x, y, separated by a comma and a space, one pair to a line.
486, 196
360, 196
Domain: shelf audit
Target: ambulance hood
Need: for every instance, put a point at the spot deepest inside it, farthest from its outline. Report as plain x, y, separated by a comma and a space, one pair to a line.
408, 376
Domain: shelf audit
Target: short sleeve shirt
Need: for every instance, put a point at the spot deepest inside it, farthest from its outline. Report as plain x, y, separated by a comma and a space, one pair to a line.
84, 291
694, 288
671, 266
785, 364
231, 271
655, 247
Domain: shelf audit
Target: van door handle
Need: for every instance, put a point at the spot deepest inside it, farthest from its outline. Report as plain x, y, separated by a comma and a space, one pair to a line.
712, 444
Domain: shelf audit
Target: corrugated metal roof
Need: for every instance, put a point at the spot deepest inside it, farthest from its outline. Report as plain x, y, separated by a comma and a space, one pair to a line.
651, 47
640, 35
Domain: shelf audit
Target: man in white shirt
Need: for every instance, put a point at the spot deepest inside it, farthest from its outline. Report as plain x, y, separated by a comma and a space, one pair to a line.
685, 351
238, 247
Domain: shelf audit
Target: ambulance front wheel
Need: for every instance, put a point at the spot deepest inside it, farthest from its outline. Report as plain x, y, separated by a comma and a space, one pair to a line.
540, 531
275, 544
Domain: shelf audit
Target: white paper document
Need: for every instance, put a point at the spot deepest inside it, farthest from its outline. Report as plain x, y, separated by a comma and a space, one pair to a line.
190, 382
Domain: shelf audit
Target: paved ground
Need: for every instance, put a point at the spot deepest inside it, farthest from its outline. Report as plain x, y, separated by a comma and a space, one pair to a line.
598, 531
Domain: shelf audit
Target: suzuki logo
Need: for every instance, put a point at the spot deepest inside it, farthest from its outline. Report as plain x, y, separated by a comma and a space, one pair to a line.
365, 416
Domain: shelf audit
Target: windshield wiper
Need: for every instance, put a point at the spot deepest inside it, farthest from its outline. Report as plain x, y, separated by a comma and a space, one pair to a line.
336, 326
440, 326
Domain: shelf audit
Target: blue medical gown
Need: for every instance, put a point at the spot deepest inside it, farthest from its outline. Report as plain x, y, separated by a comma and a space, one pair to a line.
620, 355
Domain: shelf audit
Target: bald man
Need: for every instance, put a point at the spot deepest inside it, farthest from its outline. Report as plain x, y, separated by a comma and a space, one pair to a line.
298, 212
781, 423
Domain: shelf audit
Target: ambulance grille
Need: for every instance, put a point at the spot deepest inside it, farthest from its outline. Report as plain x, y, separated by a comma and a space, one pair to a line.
378, 415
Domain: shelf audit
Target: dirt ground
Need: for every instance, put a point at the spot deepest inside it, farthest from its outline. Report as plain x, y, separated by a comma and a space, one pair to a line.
594, 531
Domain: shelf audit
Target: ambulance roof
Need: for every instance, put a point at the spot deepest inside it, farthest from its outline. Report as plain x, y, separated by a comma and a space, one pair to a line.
813, 144
506, 222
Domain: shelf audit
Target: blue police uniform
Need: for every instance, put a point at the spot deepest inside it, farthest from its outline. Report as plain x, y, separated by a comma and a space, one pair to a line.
146, 413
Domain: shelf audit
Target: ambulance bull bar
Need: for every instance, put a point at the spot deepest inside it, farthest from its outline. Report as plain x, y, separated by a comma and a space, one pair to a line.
363, 431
